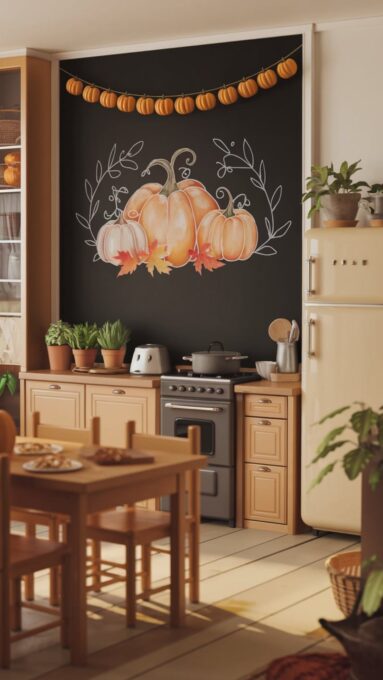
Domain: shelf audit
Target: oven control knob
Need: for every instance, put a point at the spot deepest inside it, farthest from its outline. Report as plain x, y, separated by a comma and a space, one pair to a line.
200, 389
172, 388
219, 390
181, 388
191, 388
210, 390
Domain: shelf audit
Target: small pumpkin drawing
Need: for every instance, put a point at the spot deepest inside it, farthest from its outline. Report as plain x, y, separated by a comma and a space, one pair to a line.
267, 79
126, 103
91, 94
121, 236
164, 106
170, 213
247, 88
74, 86
232, 233
206, 101
287, 68
184, 105
228, 95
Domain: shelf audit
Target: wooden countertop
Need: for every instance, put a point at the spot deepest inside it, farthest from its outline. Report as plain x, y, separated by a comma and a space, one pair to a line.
119, 379
286, 389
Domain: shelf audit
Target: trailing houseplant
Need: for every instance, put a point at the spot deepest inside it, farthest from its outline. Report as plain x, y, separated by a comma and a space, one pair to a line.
335, 192
59, 352
362, 632
112, 338
83, 339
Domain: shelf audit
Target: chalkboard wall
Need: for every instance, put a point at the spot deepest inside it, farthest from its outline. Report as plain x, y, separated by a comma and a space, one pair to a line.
260, 138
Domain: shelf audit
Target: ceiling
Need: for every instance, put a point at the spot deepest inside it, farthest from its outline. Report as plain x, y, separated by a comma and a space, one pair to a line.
66, 25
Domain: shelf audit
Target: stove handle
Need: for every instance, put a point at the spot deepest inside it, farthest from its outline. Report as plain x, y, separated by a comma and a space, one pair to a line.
178, 407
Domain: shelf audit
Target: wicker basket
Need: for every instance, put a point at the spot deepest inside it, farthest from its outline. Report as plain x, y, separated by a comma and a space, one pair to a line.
345, 575
9, 126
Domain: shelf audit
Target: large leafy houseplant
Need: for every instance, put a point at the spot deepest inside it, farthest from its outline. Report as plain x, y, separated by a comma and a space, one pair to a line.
112, 338
365, 454
339, 185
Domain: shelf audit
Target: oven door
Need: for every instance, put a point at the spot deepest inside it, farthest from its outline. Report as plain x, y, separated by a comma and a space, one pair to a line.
215, 419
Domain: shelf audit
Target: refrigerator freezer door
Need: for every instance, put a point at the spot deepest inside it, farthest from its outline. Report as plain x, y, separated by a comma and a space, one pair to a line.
343, 265
342, 362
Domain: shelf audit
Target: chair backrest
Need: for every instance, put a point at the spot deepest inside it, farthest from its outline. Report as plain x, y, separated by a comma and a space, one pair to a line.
190, 445
4, 561
76, 434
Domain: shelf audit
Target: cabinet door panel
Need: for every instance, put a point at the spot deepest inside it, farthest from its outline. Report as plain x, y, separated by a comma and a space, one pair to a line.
266, 441
58, 403
115, 406
266, 495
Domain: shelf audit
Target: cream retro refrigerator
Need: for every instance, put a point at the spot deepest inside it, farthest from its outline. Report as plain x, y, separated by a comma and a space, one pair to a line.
342, 358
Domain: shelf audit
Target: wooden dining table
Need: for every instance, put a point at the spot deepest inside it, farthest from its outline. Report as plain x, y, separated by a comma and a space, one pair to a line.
95, 488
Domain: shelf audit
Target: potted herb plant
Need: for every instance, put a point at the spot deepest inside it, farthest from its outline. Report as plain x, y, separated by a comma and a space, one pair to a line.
112, 338
83, 339
59, 352
361, 633
335, 192
373, 203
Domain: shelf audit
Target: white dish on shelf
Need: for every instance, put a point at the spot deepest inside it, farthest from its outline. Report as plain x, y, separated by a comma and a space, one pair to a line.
20, 449
265, 368
30, 466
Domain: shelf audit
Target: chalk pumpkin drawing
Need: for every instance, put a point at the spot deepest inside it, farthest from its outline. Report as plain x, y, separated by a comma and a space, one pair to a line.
166, 226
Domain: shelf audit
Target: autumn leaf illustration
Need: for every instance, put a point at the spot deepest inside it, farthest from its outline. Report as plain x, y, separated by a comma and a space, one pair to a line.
201, 259
128, 262
155, 259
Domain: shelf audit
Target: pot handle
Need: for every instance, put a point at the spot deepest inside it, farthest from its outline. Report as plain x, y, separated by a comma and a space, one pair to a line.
187, 358
216, 342
235, 357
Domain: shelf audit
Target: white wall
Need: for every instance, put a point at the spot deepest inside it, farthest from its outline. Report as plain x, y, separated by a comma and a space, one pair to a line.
348, 121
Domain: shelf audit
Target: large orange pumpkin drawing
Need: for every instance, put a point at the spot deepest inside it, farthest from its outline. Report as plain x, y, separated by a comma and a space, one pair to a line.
170, 213
231, 233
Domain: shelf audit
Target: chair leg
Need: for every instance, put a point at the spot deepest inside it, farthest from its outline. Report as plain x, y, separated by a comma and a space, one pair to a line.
54, 579
29, 580
65, 603
193, 540
15, 609
146, 578
5, 641
130, 584
96, 559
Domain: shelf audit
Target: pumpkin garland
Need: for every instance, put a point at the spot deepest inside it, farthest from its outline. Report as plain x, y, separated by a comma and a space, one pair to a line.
186, 103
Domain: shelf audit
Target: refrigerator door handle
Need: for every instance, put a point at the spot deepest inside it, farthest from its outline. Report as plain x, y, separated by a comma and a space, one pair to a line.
310, 290
310, 351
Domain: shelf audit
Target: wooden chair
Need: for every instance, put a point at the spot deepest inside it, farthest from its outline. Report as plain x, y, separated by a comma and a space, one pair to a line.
135, 526
32, 518
20, 555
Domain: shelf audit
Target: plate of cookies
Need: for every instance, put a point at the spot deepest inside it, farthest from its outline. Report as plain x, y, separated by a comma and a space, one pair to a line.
36, 448
53, 463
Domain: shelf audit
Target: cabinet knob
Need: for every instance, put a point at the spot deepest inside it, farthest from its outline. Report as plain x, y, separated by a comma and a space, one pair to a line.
118, 391
264, 468
265, 422
263, 401
55, 387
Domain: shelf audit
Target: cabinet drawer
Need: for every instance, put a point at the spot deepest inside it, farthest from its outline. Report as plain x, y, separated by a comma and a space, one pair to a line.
264, 405
266, 441
60, 404
265, 493
115, 406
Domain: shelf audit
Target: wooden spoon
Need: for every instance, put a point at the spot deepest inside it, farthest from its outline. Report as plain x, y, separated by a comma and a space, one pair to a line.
279, 330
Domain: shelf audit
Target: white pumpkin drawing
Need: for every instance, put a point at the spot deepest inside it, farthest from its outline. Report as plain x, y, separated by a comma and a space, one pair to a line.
121, 236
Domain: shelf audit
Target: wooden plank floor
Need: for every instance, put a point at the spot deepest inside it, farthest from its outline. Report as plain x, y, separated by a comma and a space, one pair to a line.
261, 596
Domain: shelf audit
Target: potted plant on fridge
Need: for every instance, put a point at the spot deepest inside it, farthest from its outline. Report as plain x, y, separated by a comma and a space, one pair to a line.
59, 352
112, 338
335, 192
373, 203
83, 339
361, 633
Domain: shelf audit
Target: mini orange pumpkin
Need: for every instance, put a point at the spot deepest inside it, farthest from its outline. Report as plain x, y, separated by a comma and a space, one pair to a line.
108, 99
145, 106
91, 94
287, 68
12, 175
164, 106
227, 95
126, 103
267, 79
170, 213
232, 234
12, 158
7, 432
206, 101
184, 105
247, 88
74, 86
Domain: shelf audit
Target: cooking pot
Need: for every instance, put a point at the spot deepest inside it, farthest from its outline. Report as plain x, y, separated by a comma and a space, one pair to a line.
215, 362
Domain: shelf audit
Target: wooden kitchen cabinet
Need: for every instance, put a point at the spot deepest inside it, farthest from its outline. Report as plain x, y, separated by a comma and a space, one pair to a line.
268, 456
58, 403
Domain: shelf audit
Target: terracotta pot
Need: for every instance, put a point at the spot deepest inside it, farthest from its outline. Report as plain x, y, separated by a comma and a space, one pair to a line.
113, 358
340, 206
60, 357
84, 358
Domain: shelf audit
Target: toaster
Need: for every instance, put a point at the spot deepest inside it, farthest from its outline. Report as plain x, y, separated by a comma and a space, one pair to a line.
150, 360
